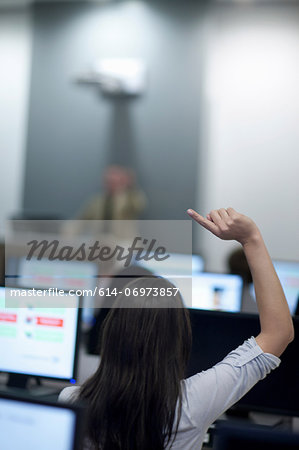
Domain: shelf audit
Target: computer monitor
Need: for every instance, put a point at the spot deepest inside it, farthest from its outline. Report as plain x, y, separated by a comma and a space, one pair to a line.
65, 275
215, 291
198, 264
177, 265
215, 334
29, 424
288, 274
236, 436
39, 341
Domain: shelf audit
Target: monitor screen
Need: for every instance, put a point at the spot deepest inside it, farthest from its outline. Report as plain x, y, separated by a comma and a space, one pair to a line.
215, 334
32, 425
219, 292
234, 436
177, 265
39, 341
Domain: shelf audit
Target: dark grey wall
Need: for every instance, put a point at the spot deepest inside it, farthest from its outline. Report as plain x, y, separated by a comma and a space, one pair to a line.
74, 131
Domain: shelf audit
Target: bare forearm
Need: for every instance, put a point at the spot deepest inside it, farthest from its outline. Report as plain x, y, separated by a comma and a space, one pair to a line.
276, 323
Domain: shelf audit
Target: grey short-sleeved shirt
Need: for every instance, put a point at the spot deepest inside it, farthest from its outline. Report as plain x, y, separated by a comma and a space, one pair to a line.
210, 393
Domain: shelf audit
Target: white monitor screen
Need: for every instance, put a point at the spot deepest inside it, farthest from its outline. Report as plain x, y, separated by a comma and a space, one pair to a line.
38, 341
32, 426
217, 292
178, 265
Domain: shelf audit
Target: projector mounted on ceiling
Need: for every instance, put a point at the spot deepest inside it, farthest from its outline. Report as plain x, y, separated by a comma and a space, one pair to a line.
117, 76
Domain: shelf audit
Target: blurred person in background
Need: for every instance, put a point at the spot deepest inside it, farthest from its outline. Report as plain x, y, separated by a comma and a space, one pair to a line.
121, 199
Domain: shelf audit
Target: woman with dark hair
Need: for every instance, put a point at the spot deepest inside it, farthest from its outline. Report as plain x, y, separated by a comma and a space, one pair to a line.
145, 349
138, 398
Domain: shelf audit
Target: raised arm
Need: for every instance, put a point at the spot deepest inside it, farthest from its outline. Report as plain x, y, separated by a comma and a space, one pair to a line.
276, 323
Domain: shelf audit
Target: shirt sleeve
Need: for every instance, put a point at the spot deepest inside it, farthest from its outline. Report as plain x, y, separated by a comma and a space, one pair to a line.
68, 394
210, 393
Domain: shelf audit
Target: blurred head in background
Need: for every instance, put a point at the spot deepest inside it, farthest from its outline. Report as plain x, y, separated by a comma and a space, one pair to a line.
117, 178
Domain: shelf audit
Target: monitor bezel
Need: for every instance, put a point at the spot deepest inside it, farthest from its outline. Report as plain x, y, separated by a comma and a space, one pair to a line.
241, 406
76, 353
225, 430
77, 409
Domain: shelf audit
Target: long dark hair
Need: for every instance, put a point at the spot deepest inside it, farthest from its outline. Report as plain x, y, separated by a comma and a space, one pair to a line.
118, 283
134, 399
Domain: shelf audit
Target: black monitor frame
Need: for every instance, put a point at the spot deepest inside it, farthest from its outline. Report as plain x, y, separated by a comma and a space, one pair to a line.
235, 435
77, 408
20, 379
215, 334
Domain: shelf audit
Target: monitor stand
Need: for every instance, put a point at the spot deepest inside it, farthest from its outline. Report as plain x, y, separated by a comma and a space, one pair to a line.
18, 383
17, 380
236, 413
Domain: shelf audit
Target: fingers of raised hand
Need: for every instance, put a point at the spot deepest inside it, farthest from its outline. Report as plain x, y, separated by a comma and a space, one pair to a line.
223, 213
206, 223
223, 221
231, 212
226, 224
215, 216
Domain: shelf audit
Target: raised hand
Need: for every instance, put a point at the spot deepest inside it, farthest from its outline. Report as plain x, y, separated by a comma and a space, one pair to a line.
227, 224
276, 324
